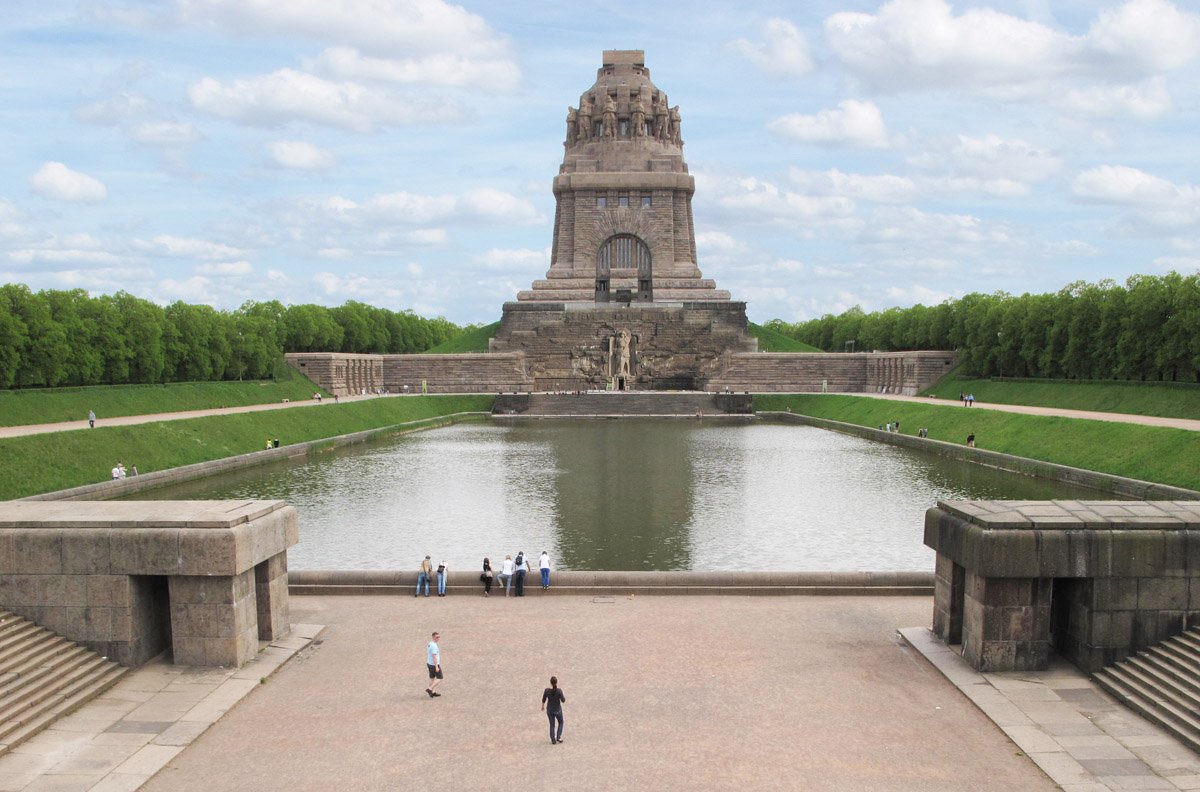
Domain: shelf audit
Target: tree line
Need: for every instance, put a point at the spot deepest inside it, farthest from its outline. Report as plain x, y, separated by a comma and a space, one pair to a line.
51, 337
1147, 329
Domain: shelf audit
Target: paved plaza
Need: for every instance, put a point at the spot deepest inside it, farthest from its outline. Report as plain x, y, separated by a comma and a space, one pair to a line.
687, 693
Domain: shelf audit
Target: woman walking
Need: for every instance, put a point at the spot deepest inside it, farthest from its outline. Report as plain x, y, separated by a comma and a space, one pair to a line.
552, 701
486, 577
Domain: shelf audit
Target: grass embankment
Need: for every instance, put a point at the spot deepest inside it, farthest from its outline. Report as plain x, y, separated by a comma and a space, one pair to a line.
1149, 453
1168, 399
474, 339
772, 341
46, 462
52, 405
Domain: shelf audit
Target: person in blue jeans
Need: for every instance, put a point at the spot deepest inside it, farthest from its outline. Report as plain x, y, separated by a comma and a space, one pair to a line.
552, 701
423, 576
544, 566
442, 571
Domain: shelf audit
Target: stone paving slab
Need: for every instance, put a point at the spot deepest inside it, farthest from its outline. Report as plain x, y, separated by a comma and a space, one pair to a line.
668, 693
117, 741
1079, 735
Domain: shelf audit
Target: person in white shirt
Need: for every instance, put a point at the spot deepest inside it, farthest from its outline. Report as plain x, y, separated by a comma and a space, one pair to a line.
544, 565
506, 574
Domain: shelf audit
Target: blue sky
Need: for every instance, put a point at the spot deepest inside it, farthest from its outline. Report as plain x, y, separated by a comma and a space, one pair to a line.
400, 152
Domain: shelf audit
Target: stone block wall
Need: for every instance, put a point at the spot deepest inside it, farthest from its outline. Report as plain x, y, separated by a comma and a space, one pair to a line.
908, 373
465, 373
341, 373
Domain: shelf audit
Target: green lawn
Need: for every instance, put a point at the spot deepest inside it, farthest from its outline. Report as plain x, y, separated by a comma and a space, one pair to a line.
52, 405
474, 339
1169, 399
772, 341
1150, 453
42, 463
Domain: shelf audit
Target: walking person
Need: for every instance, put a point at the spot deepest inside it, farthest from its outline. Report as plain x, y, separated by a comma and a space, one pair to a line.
433, 662
552, 701
91, 419
486, 577
506, 573
544, 566
522, 567
423, 576
442, 571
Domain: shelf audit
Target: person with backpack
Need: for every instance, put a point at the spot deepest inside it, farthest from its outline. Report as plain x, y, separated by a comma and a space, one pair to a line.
522, 567
423, 576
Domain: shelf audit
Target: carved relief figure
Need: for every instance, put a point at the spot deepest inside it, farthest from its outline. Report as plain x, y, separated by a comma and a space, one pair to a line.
620, 353
572, 129
609, 128
584, 119
661, 125
675, 126
639, 117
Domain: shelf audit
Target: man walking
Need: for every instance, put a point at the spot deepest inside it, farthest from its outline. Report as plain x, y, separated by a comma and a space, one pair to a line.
433, 661
91, 419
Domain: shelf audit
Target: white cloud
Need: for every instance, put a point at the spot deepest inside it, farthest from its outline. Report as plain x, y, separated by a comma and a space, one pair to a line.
851, 123
12, 221
359, 287
187, 247
911, 295
1119, 184
72, 249
55, 180
717, 242
449, 69
225, 268
882, 188
754, 200
1146, 100
910, 227
113, 110
289, 95
517, 260
991, 165
783, 51
300, 155
165, 133
923, 44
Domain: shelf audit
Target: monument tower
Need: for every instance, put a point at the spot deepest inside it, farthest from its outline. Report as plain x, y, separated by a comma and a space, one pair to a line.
623, 304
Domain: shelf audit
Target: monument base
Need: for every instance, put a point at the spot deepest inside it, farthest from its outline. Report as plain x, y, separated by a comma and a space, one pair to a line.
672, 346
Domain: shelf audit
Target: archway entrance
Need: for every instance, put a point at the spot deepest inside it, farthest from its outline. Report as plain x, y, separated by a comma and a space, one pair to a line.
624, 252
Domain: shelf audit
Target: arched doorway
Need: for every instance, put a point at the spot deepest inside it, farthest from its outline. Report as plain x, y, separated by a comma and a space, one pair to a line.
624, 251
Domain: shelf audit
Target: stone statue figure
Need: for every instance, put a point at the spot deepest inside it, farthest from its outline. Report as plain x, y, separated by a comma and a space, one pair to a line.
675, 122
572, 129
639, 117
661, 125
609, 128
584, 120
619, 353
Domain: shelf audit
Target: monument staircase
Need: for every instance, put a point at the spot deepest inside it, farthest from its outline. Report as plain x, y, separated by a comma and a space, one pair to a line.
627, 403
43, 676
1162, 684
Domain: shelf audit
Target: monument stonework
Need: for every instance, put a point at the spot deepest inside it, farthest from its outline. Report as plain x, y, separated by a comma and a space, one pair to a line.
623, 305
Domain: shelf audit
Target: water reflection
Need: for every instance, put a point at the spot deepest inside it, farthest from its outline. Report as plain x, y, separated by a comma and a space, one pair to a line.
624, 494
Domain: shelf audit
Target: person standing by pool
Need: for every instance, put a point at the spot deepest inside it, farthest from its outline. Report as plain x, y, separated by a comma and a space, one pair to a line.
544, 566
552, 701
442, 571
486, 577
506, 573
433, 662
522, 567
423, 576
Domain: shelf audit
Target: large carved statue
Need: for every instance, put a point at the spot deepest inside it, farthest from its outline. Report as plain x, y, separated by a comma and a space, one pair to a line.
572, 129
584, 120
620, 353
661, 124
639, 117
676, 137
609, 119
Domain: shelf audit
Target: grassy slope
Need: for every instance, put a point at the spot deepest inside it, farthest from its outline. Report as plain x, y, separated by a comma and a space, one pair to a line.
1171, 400
772, 341
473, 340
1166, 456
47, 462
51, 405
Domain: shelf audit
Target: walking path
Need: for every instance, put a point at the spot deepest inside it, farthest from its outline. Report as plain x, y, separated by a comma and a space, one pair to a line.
1079, 735
130, 420
1146, 420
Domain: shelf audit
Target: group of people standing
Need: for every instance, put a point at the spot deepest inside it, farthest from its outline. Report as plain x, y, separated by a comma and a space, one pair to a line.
426, 574
512, 575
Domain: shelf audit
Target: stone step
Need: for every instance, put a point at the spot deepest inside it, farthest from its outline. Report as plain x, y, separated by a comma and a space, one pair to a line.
29, 685
45, 651
64, 704
40, 687
1180, 655
1190, 640
1182, 674
1161, 682
15, 637
1146, 702
19, 651
632, 403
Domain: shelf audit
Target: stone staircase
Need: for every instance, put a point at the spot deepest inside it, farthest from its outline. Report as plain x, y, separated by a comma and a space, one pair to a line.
634, 403
1162, 684
43, 676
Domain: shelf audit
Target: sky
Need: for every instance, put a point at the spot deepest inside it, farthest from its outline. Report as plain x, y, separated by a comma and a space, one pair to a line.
401, 152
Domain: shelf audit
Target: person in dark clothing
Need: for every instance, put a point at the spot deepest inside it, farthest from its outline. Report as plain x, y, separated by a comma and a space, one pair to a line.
522, 566
552, 701
486, 577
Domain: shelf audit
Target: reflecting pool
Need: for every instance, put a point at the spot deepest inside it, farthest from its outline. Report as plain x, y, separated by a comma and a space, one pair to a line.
628, 494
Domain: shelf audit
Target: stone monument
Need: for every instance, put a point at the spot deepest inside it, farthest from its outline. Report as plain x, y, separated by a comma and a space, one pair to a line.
623, 257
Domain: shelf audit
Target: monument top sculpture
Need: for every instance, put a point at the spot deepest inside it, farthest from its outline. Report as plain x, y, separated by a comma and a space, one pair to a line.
623, 218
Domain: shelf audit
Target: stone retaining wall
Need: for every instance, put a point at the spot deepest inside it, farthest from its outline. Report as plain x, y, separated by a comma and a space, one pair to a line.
461, 583
108, 489
1101, 482
816, 372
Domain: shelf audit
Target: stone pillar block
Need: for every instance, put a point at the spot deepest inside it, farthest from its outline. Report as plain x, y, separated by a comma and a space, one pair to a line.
213, 619
271, 595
